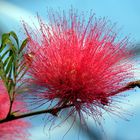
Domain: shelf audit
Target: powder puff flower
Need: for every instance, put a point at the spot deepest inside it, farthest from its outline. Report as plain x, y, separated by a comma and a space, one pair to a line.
78, 62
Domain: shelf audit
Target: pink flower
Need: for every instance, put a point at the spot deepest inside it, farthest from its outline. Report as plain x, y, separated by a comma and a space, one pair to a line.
78, 62
12, 130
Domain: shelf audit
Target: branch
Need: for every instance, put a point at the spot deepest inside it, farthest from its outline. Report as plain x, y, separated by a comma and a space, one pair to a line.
54, 111
129, 86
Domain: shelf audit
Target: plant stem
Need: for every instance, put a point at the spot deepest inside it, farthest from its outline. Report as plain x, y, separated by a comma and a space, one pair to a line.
52, 111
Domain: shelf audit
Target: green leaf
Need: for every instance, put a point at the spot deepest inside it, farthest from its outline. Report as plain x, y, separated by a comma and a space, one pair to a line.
5, 36
2, 72
9, 65
6, 61
22, 90
13, 34
6, 42
23, 45
10, 86
10, 72
4, 54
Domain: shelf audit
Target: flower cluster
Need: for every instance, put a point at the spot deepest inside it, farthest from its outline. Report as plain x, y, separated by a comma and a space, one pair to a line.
78, 62
11, 130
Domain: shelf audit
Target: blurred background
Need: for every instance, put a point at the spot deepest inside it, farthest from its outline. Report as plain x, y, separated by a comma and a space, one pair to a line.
127, 14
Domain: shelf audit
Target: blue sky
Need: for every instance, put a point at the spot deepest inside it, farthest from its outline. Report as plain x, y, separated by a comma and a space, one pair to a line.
125, 12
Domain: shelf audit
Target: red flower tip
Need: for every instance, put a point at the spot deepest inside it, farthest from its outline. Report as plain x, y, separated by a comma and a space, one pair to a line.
78, 62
